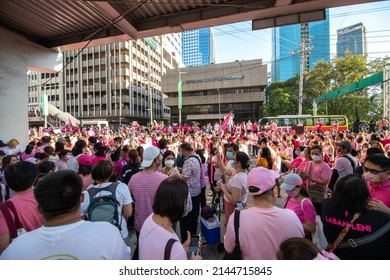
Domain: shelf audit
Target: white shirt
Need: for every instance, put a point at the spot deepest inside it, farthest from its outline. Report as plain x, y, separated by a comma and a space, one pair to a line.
73, 164
82, 240
122, 195
9, 151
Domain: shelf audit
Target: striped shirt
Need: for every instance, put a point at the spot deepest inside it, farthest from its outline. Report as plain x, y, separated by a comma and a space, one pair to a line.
143, 187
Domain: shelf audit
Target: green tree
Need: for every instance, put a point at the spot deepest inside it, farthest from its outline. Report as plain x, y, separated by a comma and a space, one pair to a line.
281, 98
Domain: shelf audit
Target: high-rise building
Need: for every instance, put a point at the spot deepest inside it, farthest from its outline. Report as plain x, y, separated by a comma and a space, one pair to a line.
118, 82
198, 47
351, 38
286, 46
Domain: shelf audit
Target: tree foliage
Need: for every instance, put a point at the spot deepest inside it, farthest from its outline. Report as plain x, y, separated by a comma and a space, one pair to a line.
282, 97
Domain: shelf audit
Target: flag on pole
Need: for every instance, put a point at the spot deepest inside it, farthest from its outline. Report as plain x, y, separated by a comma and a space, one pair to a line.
70, 122
180, 91
226, 120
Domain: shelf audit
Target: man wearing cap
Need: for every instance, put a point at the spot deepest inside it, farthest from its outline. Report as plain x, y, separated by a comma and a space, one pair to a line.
85, 167
264, 226
143, 187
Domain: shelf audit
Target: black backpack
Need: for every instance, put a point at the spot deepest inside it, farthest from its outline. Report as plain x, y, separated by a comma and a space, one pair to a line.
104, 208
128, 172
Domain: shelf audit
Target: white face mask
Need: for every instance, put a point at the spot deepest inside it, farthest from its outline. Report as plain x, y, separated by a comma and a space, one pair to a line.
169, 162
316, 158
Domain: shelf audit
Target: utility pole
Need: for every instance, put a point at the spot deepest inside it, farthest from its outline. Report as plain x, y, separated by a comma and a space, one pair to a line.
304, 53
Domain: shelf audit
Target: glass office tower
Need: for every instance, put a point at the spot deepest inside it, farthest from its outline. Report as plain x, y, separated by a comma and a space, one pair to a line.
352, 38
198, 47
286, 44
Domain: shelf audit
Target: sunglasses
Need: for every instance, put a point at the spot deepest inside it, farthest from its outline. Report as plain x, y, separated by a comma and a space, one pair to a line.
372, 171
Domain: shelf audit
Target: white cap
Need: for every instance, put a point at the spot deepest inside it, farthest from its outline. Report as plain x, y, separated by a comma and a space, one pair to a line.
150, 154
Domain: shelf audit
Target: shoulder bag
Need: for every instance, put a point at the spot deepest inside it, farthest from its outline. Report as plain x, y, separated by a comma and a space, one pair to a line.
316, 192
343, 233
366, 239
15, 226
168, 248
236, 253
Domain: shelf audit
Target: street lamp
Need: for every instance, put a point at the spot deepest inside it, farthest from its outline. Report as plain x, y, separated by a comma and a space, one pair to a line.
150, 93
180, 95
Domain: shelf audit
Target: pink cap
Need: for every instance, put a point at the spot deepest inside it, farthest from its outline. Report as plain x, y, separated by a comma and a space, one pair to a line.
262, 178
84, 159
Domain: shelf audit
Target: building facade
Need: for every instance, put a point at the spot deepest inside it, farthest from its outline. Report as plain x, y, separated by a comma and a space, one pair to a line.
351, 38
119, 82
198, 47
286, 46
212, 91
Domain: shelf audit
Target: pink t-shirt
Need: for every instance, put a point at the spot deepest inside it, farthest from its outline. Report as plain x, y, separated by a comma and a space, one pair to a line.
303, 208
297, 161
153, 239
25, 156
381, 193
143, 187
238, 181
27, 208
319, 171
262, 230
119, 165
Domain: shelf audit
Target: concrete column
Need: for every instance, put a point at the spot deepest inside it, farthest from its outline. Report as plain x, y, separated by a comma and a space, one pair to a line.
17, 54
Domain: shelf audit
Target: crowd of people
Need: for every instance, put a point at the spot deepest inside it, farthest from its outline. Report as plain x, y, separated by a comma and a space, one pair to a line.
68, 189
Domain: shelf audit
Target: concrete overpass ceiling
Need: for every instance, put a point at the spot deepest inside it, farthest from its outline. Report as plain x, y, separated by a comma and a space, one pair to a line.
69, 24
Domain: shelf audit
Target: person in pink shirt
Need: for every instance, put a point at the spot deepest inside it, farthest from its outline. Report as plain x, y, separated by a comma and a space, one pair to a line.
143, 187
29, 152
45, 140
305, 161
318, 174
273, 126
101, 153
85, 168
300, 157
168, 208
20, 178
298, 200
263, 227
377, 173
124, 159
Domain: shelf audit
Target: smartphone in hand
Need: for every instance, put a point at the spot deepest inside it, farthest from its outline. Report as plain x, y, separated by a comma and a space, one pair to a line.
194, 245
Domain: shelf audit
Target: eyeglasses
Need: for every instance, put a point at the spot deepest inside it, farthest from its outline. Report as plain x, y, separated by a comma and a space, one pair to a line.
372, 171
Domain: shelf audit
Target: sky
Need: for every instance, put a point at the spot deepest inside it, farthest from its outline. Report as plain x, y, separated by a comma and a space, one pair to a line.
238, 42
